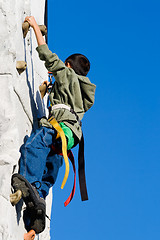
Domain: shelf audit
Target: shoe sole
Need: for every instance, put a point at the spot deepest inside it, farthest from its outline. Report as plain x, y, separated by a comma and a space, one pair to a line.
32, 201
29, 195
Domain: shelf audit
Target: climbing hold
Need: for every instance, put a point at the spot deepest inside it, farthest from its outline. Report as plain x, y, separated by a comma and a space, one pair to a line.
15, 197
21, 66
43, 90
29, 235
25, 28
43, 29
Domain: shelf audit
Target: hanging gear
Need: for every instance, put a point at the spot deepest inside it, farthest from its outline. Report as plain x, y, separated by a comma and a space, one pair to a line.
55, 124
71, 157
81, 170
63, 106
81, 162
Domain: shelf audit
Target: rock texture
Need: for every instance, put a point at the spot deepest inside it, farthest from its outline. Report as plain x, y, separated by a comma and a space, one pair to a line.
20, 103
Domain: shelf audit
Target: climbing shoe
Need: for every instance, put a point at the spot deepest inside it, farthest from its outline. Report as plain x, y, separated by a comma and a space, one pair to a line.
33, 220
35, 206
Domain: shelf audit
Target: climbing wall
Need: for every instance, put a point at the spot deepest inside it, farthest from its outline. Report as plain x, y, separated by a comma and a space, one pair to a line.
20, 104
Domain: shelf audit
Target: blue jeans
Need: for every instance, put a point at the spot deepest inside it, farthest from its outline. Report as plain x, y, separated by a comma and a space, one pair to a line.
38, 162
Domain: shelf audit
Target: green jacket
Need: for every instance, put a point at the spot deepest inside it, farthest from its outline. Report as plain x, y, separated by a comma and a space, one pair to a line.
69, 88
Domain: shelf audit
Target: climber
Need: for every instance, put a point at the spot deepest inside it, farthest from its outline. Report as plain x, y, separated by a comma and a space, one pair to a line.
72, 94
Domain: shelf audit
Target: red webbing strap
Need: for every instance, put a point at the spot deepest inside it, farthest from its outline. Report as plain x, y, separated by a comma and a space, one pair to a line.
71, 157
81, 171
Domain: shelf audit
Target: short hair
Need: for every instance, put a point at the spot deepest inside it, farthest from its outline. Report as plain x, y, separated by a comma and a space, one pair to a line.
79, 63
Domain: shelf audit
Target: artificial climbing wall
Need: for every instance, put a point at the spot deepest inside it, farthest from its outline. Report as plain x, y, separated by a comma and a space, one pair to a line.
20, 104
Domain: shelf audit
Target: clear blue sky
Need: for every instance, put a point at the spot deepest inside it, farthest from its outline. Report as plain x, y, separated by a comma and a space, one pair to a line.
122, 130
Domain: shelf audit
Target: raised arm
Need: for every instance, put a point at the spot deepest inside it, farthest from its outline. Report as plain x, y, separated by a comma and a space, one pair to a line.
52, 62
32, 22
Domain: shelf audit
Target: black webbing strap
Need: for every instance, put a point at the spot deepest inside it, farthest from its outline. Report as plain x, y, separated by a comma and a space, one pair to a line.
81, 170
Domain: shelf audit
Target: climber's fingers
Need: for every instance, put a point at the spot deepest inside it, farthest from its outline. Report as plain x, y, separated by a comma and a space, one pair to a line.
31, 20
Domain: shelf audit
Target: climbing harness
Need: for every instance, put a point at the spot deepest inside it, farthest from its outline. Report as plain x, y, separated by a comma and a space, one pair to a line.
63, 106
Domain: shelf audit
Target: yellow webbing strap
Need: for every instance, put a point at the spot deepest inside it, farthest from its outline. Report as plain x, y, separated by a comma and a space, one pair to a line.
64, 148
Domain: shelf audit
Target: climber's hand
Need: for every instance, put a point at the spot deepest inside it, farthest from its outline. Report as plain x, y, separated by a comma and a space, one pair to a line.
31, 20
45, 83
48, 85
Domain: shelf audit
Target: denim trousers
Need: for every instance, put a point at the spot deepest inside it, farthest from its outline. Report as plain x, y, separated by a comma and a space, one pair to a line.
38, 162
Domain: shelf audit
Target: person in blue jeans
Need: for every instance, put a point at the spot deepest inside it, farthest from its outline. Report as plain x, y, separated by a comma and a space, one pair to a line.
38, 149
38, 165
71, 96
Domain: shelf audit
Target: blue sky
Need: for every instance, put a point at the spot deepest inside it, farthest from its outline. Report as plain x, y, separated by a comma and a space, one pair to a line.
122, 130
